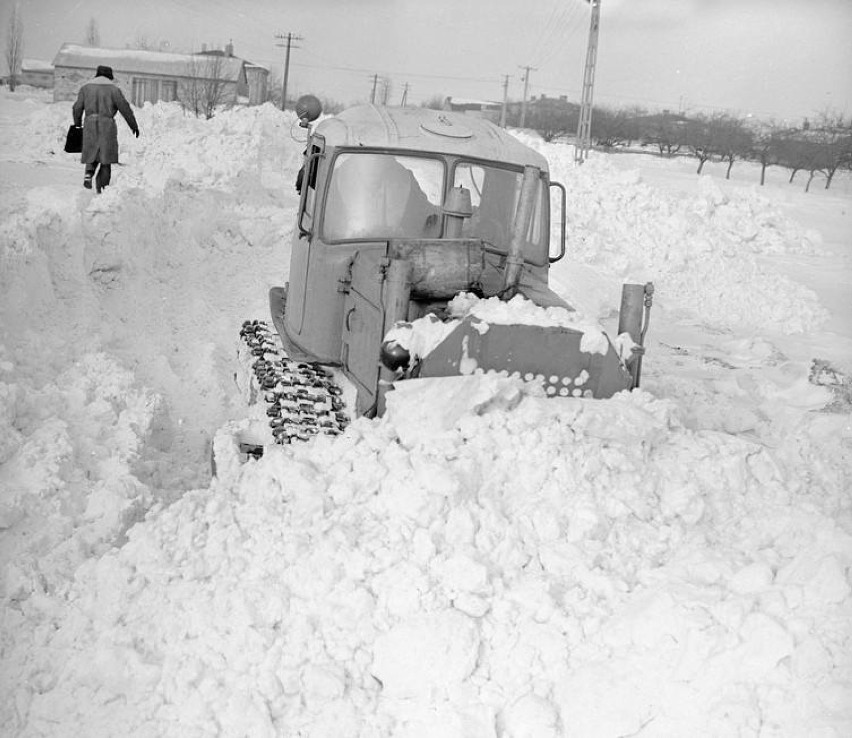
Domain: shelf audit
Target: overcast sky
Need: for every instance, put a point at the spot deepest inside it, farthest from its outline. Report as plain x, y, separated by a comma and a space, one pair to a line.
769, 58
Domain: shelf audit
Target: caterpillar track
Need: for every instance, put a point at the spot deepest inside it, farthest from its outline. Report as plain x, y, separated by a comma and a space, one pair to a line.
302, 398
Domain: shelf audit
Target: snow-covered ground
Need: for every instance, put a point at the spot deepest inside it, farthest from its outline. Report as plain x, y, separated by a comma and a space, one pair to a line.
482, 562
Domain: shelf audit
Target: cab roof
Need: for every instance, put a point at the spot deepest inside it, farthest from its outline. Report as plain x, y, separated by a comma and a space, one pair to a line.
423, 129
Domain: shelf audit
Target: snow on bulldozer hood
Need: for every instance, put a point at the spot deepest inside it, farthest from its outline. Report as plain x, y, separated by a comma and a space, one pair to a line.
421, 336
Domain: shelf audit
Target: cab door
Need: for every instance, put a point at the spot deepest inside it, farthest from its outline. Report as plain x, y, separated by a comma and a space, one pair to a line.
303, 238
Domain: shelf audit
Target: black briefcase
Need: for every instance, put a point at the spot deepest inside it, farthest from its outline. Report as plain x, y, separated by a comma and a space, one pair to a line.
74, 140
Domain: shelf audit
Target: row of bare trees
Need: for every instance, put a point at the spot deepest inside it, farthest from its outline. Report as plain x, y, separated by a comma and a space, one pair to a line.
821, 147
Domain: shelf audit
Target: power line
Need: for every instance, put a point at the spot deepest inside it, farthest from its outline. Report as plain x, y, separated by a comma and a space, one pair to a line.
361, 70
574, 22
553, 41
547, 28
610, 97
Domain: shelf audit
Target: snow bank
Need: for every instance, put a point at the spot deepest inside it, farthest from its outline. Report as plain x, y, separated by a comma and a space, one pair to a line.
701, 251
590, 568
182, 246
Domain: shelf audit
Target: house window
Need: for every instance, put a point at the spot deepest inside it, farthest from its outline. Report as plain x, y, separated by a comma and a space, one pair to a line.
168, 90
144, 90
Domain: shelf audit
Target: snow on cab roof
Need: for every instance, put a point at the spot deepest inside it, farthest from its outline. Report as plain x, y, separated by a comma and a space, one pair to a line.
424, 129
143, 61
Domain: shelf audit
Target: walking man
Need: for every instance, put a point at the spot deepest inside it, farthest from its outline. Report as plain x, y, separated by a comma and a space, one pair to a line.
100, 99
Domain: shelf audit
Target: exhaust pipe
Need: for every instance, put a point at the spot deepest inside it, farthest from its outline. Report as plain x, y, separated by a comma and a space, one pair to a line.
457, 209
515, 259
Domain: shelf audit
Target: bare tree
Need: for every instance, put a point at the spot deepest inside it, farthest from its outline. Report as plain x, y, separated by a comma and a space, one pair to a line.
621, 127
766, 148
205, 88
436, 102
331, 106
733, 139
823, 147
699, 139
141, 41
666, 131
93, 35
14, 45
718, 137
794, 151
552, 118
833, 135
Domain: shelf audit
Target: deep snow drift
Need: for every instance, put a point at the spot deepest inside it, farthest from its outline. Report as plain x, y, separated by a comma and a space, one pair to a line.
482, 561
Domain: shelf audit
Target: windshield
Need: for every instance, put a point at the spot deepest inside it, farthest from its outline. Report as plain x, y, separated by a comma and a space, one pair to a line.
494, 194
378, 196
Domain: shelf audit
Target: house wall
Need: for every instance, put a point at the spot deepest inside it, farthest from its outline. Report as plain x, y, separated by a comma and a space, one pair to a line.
67, 81
241, 89
36, 78
257, 85
137, 88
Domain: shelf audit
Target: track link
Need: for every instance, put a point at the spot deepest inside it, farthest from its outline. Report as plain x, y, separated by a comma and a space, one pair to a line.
302, 399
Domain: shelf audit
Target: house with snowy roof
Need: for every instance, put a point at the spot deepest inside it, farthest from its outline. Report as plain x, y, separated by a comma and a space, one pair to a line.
256, 75
151, 76
36, 73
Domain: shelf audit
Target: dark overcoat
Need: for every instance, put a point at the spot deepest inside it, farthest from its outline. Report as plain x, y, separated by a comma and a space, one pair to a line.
100, 99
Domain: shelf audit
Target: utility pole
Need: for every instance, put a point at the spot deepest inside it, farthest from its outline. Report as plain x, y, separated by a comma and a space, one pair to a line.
373, 93
584, 126
404, 95
526, 91
505, 100
290, 38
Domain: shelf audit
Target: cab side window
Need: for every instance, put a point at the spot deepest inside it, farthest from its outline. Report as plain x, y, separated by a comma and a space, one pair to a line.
306, 186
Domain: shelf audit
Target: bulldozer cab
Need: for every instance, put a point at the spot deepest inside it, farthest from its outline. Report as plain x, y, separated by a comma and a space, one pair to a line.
459, 201
374, 174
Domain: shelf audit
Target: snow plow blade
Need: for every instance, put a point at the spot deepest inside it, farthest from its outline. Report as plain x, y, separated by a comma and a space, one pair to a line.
548, 354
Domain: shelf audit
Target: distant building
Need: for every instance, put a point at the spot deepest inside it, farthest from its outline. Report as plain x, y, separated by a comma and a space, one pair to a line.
258, 81
487, 109
257, 76
545, 106
152, 76
665, 118
36, 73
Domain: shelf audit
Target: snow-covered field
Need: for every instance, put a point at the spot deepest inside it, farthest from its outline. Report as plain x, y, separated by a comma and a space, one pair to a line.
479, 563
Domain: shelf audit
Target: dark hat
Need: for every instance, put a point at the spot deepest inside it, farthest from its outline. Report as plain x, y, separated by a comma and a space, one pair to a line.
104, 72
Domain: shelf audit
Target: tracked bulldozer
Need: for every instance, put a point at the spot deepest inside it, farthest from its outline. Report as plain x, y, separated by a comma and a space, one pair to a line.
401, 212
